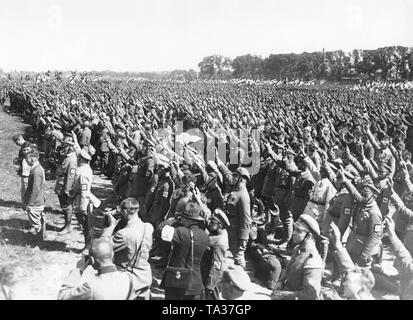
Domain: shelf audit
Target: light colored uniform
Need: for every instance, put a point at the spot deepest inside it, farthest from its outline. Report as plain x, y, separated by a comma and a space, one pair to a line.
109, 284
81, 187
320, 197
81, 191
302, 279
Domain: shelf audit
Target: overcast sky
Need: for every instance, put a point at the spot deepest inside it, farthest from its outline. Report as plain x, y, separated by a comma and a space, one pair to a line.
155, 35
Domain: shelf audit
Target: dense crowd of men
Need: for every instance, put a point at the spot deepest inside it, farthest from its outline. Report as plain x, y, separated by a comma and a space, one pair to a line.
333, 187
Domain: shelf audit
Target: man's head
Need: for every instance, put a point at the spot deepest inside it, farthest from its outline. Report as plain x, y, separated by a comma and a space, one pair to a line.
32, 157
234, 282
218, 221
305, 226
367, 189
101, 253
19, 140
384, 140
162, 164
26, 147
84, 157
240, 177
129, 208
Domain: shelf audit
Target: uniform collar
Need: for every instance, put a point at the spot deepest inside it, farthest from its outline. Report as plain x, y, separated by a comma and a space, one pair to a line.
306, 245
107, 269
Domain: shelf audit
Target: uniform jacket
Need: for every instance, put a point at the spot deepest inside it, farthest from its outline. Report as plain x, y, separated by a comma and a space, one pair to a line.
404, 265
215, 198
85, 137
181, 255
238, 209
109, 284
367, 228
215, 258
304, 272
339, 211
34, 194
141, 176
81, 187
126, 240
161, 201
66, 173
121, 185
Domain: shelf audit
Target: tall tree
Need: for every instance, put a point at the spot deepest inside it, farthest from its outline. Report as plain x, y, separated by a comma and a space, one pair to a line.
247, 66
215, 67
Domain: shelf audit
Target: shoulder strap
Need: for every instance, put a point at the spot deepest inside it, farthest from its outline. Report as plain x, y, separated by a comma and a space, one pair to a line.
191, 251
138, 251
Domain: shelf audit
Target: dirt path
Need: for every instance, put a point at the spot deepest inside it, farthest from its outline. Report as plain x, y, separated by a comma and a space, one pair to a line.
44, 269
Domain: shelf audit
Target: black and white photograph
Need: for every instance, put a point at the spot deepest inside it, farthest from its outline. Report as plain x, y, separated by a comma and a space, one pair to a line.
206, 150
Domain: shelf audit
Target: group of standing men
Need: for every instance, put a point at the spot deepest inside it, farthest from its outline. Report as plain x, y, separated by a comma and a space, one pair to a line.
326, 191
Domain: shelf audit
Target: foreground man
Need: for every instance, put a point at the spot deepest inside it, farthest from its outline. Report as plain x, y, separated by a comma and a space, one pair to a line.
302, 279
65, 175
80, 193
109, 284
34, 196
132, 241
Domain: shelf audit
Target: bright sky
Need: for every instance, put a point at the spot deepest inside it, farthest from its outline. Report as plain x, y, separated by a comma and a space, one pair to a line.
155, 35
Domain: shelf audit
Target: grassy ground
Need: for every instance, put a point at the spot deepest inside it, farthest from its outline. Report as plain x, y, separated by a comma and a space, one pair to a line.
44, 268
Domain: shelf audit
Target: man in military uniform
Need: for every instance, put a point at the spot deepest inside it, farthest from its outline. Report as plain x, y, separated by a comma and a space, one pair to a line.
238, 210
142, 173
34, 195
85, 136
284, 179
302, 278
214, 260
109, 284
80, 193
365, 238
115, 160
65, 175
383, 154
158, 206
211, 187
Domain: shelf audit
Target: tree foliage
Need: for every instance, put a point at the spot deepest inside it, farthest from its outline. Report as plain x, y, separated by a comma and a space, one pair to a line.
388, 63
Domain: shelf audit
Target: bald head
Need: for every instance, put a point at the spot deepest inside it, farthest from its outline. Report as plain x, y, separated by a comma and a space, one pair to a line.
102, 251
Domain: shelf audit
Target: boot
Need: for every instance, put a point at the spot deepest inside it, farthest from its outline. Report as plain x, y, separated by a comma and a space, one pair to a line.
85, 250
67, 228
239, 257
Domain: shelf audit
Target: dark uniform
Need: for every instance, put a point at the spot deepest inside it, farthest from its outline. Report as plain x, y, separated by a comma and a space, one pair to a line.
365, 237
66, 173
339, 212
162, 193
181, 257
237, 207
140, 177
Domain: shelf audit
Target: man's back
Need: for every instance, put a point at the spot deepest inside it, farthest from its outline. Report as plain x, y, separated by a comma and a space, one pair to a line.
125, 243
109, 284
34, 195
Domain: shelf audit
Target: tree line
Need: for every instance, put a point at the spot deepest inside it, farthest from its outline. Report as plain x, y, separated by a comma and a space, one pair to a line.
388, 63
